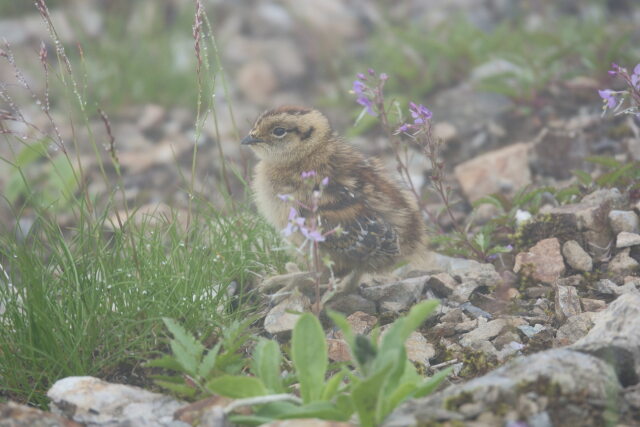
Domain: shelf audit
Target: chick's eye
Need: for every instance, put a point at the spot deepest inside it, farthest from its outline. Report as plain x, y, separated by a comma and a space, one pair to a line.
279, 131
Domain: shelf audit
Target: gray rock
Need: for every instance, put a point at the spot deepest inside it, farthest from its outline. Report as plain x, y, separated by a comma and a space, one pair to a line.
625, 239
531, 331
498, 171
615, 339
484, 332
352, 303
542, 262
471, 276
15, 415
576, 257
590, 304
624, 221
588, 213
574, 328
283, 317
622, 264
442, 284
396, 296
474, 311
455, 315
567, 302
419, 350
530, 387
95, 402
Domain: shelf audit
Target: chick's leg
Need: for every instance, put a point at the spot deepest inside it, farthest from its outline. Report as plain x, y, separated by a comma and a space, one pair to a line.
281, 285
349, 284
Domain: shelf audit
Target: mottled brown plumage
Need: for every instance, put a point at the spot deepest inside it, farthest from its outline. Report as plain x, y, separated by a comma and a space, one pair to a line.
381, 222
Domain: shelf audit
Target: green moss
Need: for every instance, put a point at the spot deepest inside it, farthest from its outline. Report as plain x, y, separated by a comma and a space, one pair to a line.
455, 402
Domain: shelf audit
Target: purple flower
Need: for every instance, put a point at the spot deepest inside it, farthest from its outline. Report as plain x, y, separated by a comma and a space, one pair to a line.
308, 174
420, 113
383, 76
295, 222
359, 87
314, 235
615, 68
371, 72
325, 181
404, 128
367, 104
609, 97
635, 77
361, 76
285, 197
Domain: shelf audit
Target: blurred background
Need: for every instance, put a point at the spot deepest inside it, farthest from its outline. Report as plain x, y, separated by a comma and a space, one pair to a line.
494, 73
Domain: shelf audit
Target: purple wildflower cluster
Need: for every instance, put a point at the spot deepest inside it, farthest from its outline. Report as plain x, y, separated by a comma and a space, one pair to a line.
310, 229
368, 90
613, 100
421, 116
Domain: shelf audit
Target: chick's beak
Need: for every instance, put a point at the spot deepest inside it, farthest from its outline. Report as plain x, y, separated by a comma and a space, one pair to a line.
250, 140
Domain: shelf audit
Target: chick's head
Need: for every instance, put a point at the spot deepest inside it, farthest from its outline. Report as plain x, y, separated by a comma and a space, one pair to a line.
287, 133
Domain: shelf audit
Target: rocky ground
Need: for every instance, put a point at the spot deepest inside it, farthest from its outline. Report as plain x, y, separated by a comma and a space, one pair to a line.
544, 336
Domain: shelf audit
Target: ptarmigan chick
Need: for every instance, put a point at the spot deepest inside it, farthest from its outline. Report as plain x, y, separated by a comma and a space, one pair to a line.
380, 220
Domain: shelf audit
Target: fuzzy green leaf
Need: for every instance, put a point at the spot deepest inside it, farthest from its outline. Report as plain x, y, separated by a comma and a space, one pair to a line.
366, 396
266, 364
432, 383
166, 361
309, 354
237, 386
186, 349
209, 362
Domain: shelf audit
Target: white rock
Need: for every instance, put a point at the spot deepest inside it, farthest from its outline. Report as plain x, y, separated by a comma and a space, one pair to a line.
576, 257
95, 402
626, 239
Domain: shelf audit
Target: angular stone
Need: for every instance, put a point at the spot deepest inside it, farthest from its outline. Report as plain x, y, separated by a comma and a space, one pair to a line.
624, 221
622, 264
338, 350
543, 261
361, 323
499, 171
590, 304
567, 302
352, 303
615, 339
484, 332
202, 412
524, 382
92, 401
576, 257
396, 296
419, 350
283, 317
15, 415
590, 213
626, 239
442, 284
574, 328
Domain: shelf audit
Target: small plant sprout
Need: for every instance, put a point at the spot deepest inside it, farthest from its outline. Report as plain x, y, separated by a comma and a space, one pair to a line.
616, 100
304, 219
